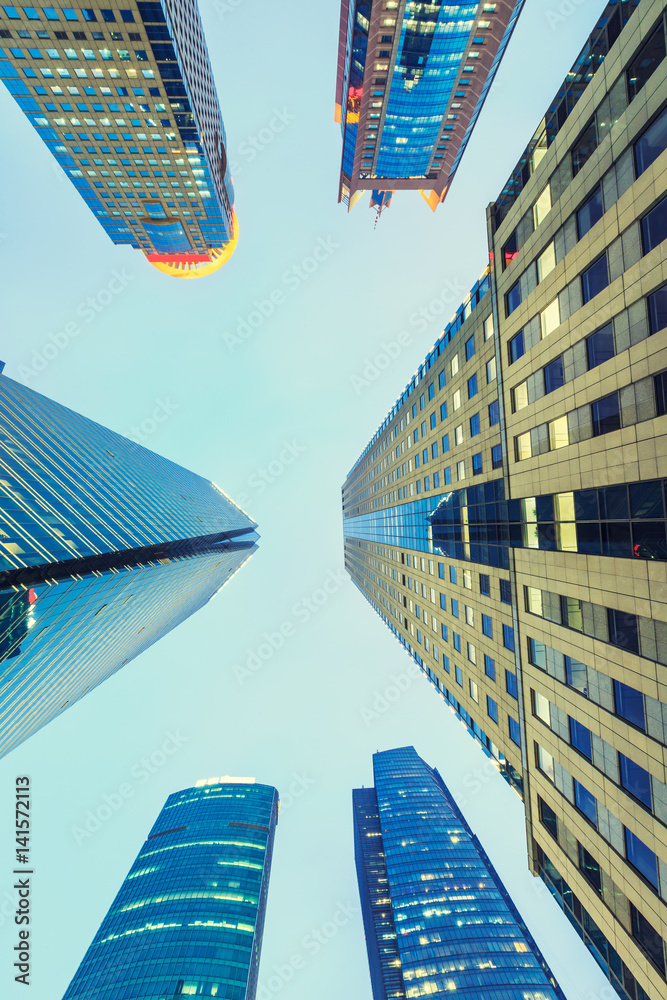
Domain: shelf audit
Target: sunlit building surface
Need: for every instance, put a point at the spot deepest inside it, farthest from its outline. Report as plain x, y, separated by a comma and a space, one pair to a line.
189, 917
124, 99
438, 920
105, 547
508, 520
412, 79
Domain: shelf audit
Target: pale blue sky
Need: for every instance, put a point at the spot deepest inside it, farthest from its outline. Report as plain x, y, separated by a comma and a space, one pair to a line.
230, 411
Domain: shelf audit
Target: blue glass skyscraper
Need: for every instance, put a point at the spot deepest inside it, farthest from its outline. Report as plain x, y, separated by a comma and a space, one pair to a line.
189, 917
104, 548
437, 918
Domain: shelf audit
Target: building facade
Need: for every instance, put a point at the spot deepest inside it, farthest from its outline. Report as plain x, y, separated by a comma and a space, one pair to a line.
436, 916
507, 521
105, 546
189, 917
124, 99
412, 79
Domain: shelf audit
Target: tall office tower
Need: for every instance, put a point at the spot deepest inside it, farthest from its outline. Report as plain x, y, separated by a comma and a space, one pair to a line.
412, 79
508, 520
436, 916
189, 917
105, 547
124, 99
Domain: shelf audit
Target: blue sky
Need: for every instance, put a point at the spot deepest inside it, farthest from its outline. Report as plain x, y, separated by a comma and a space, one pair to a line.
276, 419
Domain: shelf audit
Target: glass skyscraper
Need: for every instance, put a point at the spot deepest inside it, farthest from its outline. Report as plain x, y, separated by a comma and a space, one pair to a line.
189, 917
437, 918
508, 519
105, 547
124, 99
412, 79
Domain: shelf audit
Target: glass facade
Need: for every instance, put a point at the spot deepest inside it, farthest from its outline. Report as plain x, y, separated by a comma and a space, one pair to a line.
189, 917
106, 547
436, 916
126, 103
411, 83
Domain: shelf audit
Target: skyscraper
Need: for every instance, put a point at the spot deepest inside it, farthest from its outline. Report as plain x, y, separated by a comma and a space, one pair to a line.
412, 79
124, 99
508, 520
105, 546
189, 917
436, 916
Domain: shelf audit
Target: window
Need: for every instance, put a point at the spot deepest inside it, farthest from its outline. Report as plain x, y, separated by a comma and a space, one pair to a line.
549, 819
467, 579
523, 446
455, 364
660, 384
459, 676
553, 375
549, 318
460, 471
515, 731
606, 415
648, 938
641, 857
474, 425
576, 675
600, 346
457, 399
505, 591
511, 684
654, 226
590, 212
541, 708
508, 637
492, 709
470, 616
487, 626
458, 434
595, 278
491, 371
653, 142
470, 348
629, 704
443, 632
513, 299
558, 433
646, 61
516, 349
585, 802
445, 444
441, 571
441, 380
623, 630
657, 307
472, 381
455, 608
542, 206
545, 762
488, 327
443, 411
584, 147
477, 464
474, 690
580, 738
452, 574
546, 262
489, 667
431, 391
497, 456
485, 584
589, 868
509, 250
494, 413
456, 639
635, 780
448, 475
433, 421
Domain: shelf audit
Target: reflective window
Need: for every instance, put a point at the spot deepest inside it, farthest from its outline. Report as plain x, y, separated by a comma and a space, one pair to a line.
657, 307
489, 667
646, 61
648, 938
553, 375
585, 802
590, 212
516, 349
549, 819
641, 857
511, 684
595, 278
635, 780
600, 346
509, 250
580, 737
606, 415
515, 731
629, 704
584, 147
654, 226
491, 709
513, 299
651, 144
494, 413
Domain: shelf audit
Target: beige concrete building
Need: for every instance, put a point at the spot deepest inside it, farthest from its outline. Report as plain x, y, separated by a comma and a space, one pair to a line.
508, 519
